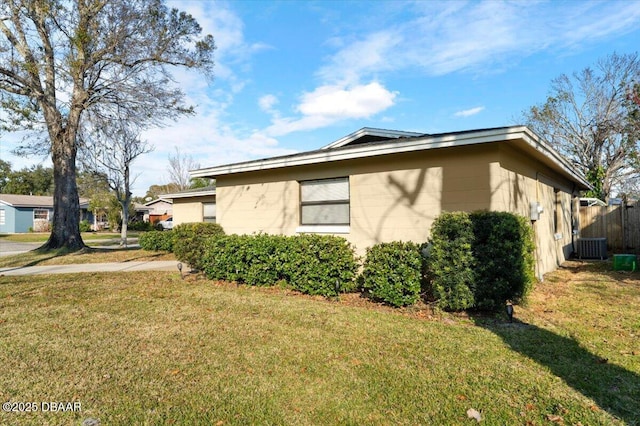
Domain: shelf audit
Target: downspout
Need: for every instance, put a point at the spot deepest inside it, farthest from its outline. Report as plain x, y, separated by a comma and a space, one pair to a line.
535, 233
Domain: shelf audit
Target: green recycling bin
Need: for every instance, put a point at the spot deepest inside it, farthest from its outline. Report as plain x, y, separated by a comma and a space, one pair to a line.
625, 262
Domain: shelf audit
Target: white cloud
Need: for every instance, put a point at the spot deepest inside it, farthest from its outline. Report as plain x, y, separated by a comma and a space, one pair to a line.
329, 104
469, 112
267, 103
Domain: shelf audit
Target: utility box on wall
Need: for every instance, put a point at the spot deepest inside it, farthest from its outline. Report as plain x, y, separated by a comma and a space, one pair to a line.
535, 210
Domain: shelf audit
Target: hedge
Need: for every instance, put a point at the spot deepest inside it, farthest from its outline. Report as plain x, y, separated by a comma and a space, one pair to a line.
504, 258
451, 261
156, 240
189, 241
481, 260
313, 264
392, 273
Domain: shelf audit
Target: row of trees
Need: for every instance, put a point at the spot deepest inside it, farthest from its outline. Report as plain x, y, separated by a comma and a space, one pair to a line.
103, 180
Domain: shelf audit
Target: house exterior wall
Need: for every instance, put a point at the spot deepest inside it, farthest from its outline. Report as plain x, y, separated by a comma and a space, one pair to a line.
9, 226
186, 210
519, 182
397, 197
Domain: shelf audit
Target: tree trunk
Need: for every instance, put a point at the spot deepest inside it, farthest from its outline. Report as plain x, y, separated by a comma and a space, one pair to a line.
65, 232
125, 222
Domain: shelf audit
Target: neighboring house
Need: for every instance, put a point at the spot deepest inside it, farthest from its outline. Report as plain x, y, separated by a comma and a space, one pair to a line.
24, 213
159, 209
142, 212
381, 185
194, 205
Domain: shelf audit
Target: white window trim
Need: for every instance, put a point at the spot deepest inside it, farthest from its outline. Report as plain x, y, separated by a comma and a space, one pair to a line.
323, 229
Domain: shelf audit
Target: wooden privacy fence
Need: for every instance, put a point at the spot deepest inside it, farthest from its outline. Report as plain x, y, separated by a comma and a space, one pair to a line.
620, 225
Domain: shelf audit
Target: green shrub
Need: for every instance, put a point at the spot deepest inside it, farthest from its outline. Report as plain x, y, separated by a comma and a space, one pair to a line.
312, 264
319, 264
157, 240
190, 241
85, 226
140, 226
481, 260
451, 261
504, 259
392, 273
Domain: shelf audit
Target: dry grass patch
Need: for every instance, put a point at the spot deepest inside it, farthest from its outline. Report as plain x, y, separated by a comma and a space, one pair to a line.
150, 348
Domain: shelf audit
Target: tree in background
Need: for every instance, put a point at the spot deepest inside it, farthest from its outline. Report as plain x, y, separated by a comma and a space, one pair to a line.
588, 118
156, 191
34, 180
111, 150
179, 166
62, 61
5, 171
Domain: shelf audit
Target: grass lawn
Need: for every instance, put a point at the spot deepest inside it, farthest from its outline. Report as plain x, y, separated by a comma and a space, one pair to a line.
150, 348
92, 255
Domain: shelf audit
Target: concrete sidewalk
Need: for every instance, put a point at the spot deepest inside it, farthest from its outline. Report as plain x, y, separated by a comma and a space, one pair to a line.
164, 265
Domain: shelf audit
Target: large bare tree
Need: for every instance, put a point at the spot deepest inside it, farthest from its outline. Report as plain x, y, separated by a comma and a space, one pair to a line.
587, 117
66, 61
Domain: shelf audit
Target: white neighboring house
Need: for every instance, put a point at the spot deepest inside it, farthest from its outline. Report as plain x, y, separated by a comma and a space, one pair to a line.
158, 210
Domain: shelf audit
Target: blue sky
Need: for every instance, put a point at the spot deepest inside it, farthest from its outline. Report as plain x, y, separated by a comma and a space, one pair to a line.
292, 76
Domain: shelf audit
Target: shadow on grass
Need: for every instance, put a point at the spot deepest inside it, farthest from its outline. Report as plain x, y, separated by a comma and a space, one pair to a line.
613, 388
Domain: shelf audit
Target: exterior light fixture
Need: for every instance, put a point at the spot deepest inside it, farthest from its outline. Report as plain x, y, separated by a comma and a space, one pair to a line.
180, 269
510, 311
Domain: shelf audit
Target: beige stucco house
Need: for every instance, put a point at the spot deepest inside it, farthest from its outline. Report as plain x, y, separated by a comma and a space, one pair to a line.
379, 185
194, 205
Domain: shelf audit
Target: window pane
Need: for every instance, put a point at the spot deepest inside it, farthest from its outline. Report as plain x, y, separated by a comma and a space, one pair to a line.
2, 217
325, 214
325, 190
41, 214
209, 209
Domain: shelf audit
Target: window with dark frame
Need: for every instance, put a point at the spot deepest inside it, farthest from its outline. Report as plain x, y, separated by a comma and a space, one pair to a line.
41, 214
325, 202
209, 212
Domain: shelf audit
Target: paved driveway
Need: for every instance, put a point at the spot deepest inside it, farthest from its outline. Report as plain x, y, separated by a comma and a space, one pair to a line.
9, 247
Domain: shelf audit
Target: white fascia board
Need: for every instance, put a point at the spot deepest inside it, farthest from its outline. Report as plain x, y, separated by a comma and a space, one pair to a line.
534, 141
189, 194
396, 147
364, 151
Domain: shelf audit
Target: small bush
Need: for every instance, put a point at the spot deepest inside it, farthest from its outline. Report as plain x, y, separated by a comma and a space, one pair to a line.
312, 264
141, 226
392, 273
157, 240
451, 261
85, 226
190, 238
503, 248
319, 264
481, 260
